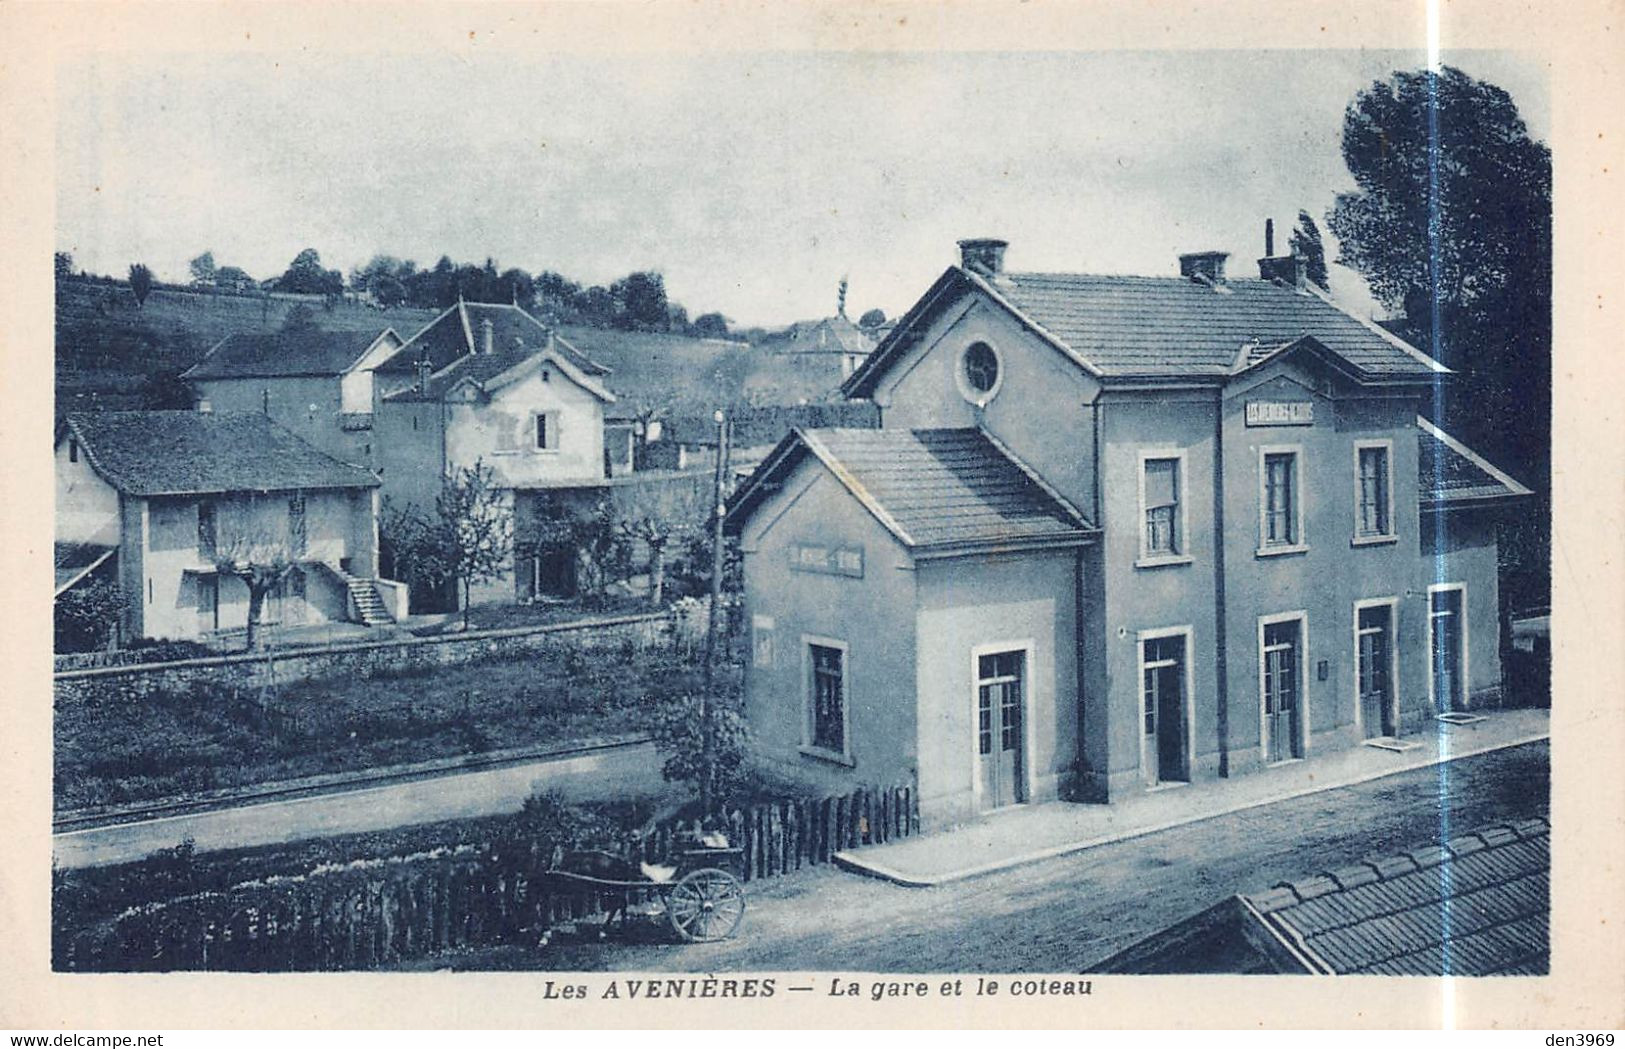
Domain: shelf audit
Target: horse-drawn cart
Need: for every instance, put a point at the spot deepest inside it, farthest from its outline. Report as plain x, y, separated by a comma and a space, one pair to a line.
698, 899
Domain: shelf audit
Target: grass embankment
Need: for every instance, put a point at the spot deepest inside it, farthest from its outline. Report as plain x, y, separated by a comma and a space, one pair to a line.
115, 749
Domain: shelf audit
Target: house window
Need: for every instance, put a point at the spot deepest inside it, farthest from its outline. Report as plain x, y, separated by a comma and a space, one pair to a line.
762, 641
980, 373
296, 524
826, 698
547, 431
206, 531
1280, 526
1162, 508
1373, 496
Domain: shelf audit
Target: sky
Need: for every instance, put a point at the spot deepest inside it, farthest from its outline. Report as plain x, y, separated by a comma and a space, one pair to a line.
754, 182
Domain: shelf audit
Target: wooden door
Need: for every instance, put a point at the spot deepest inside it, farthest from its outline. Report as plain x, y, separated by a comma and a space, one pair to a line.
1163, 751
1282, 688
1374, 631
1445, 634
999, 699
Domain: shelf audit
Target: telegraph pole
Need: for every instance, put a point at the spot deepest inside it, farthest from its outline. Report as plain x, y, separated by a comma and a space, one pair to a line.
708, 754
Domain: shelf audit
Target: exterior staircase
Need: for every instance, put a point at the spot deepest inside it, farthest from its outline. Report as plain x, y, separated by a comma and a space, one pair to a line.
364, 596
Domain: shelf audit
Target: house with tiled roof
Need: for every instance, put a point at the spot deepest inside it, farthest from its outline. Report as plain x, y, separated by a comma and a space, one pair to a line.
808, 360
489, 383
1270, 554
1478, 904
319, 384
159, 499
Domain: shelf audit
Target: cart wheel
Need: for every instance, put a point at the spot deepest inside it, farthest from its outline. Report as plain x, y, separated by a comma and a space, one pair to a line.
707, 904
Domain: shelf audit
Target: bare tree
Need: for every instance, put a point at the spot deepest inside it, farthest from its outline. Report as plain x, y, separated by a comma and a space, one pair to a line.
673, 513
262, 561
473, 527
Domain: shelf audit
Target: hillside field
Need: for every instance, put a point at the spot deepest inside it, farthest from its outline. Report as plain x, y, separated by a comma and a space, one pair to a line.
112, 354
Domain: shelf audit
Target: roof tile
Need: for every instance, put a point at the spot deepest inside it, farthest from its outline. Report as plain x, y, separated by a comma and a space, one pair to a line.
181, 453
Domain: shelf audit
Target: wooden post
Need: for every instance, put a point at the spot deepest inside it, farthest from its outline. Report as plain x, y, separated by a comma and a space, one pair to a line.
708, 728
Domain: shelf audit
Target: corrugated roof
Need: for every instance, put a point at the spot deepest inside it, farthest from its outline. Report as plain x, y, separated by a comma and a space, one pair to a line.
285, 353
1163, 325
931, 488
1477, 906
182, 453
1453, 474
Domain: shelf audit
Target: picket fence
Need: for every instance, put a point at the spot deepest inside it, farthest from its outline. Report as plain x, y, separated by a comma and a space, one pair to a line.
374, 913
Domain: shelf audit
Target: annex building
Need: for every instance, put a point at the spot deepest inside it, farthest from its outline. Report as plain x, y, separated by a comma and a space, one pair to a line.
1116, 534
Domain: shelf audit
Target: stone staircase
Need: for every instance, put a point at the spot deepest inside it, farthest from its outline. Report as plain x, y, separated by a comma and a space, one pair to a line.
364, 596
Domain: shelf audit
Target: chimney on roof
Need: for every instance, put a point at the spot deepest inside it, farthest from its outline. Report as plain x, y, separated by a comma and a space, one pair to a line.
487, 337
1203, 267
1290, 270
983, 256
424, 370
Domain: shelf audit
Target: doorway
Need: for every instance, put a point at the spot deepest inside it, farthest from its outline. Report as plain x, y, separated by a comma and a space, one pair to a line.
1000, 702
1164, 753
1374, 668
1447, 645
1281, 652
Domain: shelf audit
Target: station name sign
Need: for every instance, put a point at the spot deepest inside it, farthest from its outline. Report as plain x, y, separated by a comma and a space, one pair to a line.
1280, 413
827, 560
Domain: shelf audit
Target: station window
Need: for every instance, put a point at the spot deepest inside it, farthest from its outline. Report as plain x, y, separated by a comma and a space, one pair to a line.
1280, 497
1162, 508
1373, 491
826, 704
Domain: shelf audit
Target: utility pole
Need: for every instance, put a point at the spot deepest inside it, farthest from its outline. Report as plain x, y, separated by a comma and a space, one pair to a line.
708, 748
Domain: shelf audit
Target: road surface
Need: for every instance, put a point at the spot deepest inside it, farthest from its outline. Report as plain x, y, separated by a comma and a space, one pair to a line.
1065, 914
621, 772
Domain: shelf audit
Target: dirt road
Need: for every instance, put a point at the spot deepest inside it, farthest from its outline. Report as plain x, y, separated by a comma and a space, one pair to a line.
1065, 914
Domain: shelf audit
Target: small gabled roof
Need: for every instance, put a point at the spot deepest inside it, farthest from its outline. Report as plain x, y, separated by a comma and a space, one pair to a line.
488, 370
1452, 475
458, 332
195, 453
934, 490
1162, 328
826, 335
285, 354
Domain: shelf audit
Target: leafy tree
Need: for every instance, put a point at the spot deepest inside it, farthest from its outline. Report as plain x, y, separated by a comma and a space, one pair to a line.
305, 276
300, 318
203, 269
640, 302
234, 278
64, 264
873, 318
140, 283
1452, 223
473, 528
387, 290
87, 616
1306, 244
710, 326
680, 738
262, 561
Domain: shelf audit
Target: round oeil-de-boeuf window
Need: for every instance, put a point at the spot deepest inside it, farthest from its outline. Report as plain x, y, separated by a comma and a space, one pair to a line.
981, 369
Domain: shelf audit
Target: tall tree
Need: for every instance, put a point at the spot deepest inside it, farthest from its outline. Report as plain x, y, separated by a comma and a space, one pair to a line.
140, 283
872, 318
1452, 223
203, 268
1306, 244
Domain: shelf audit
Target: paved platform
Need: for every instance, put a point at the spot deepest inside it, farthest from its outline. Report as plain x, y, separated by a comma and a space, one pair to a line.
1029, 833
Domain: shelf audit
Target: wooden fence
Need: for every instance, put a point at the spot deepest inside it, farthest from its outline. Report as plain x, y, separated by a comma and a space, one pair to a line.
374, 913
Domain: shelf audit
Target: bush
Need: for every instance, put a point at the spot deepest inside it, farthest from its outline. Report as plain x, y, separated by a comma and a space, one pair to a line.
679, 736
